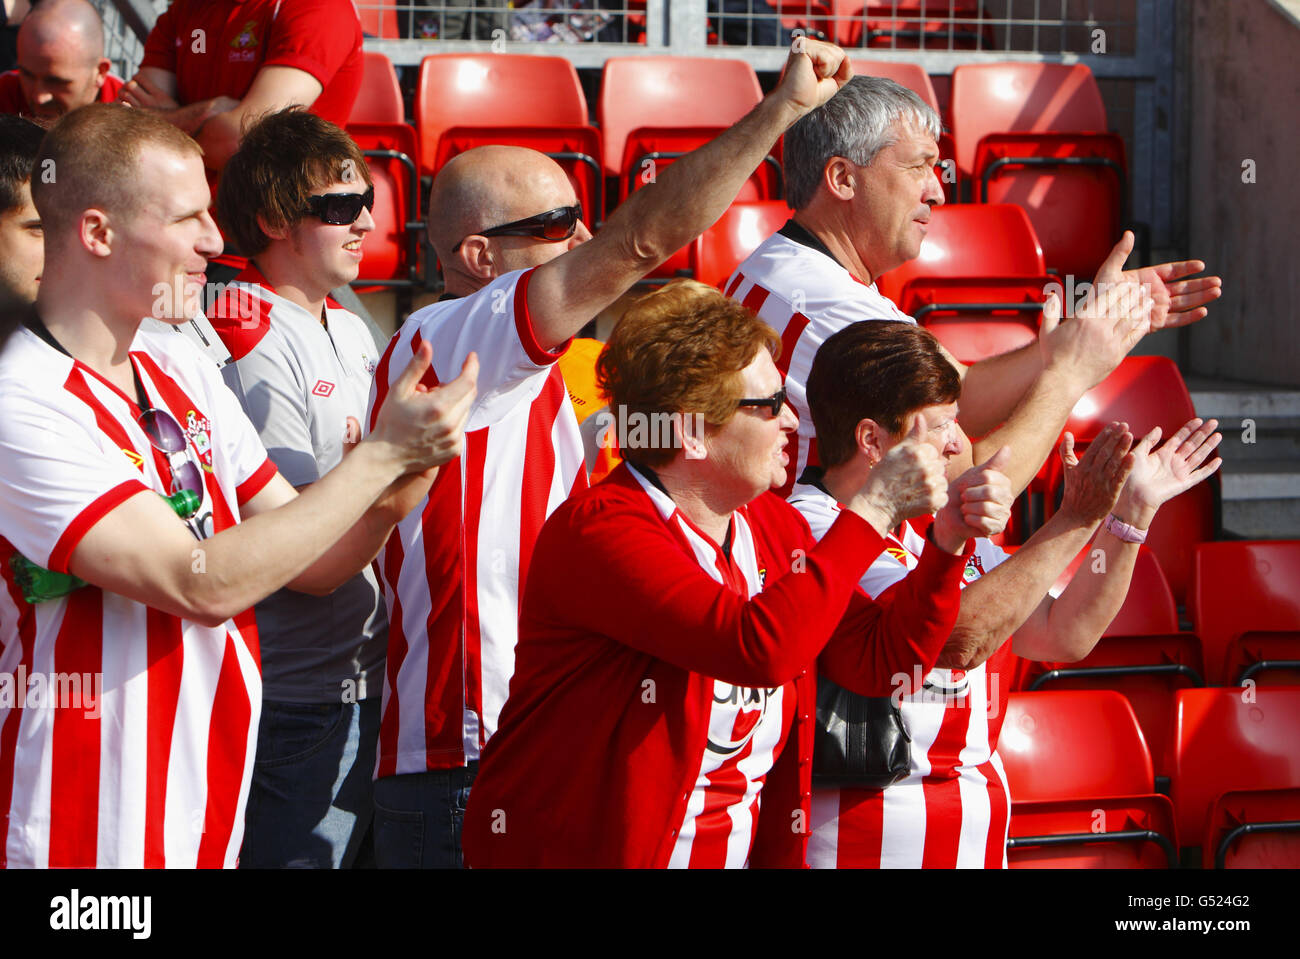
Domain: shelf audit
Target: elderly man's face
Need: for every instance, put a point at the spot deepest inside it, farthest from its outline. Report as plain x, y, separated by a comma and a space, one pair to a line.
891, 206
58, 77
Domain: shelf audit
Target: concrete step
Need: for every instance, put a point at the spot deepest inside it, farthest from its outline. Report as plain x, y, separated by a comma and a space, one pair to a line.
1261, 455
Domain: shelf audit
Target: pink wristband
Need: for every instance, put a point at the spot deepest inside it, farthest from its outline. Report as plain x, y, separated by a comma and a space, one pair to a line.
1123, 531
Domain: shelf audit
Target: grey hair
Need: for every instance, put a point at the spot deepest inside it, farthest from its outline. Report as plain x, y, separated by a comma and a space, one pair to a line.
857, 123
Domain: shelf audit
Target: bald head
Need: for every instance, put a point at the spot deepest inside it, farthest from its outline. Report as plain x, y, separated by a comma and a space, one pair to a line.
61, 63
488, 186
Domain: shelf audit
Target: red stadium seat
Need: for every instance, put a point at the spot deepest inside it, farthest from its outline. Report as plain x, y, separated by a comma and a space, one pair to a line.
977, 317
1073, 745
1036, 134
576, 149
1129, 832
496, 90
1240, 586
1081, 783
670, 93
1021, 97
1147, 670
1228, 739
1253, 829
1072, 185
380, 98
1264, 656
971, 241
716, 254
391, 250
1145, 392
910, 75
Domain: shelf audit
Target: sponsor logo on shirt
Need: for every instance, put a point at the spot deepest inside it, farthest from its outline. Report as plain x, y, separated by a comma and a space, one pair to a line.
244, 46
135, 458
322, 388
753, 705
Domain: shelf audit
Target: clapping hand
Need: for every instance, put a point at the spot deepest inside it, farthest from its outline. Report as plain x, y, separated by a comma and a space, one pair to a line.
1178, 464
1093, 484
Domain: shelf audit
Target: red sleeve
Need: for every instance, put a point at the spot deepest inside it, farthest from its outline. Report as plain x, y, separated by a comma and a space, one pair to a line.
160, 47
904, 627
315, 36
87, 518
255, 483
641, 589
524, 325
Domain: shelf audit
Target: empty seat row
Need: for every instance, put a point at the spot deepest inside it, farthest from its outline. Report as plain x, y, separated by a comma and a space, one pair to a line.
1030, 134
1082, 785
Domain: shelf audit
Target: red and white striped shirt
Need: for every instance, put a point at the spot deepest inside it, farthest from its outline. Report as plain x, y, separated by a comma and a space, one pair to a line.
747, 727
152, 766
453, 569
807, 297
953, 808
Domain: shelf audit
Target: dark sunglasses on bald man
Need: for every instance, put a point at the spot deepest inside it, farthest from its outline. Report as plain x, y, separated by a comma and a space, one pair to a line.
340, 209
551, 226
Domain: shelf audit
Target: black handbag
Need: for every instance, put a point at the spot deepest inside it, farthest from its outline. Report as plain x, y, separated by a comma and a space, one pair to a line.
859, 741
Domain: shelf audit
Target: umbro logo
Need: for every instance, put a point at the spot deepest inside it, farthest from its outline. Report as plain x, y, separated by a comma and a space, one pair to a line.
322, 388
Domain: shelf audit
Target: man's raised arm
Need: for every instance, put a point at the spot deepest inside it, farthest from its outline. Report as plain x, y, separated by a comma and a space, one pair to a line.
686, 198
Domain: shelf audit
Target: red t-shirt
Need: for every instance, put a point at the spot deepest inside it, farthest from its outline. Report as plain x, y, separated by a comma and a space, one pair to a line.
217, 47
12, 99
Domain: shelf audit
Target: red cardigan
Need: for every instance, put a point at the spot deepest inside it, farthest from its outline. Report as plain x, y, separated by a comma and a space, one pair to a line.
621, 637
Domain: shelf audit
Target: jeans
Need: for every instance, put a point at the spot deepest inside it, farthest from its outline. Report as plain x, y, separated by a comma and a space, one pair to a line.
418, 818
309, 806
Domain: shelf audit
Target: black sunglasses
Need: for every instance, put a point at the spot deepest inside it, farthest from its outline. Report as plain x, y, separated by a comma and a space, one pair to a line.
166, 436
340, 209
774, 402
551, 226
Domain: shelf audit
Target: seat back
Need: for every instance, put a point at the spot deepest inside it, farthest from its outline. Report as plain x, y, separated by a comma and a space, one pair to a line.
390, 251
971, 240
671, 92
1072, 185
1243, 585
1147, 670
1143, 391
1032, 97
575, 149
910, 75
380, 98
721, 248
1253, 829
498, 89
1073, 745
1226, 739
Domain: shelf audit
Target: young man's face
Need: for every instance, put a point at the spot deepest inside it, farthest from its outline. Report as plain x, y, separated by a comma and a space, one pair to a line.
166, 241
328, 255
22, 251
